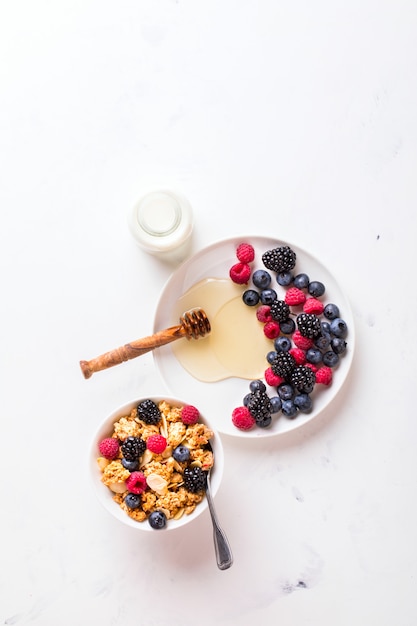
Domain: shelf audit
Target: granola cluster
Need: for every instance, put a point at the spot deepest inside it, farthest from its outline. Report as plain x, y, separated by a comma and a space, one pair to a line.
164, 490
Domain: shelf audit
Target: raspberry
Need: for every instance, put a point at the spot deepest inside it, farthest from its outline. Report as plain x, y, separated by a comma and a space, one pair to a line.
312, 305
263, 313
240, 273
324, 375
136, 482
271, 329
312, 366
273, 379
189, 414
295, 296
109, 448
299, 355
242, 418
302, 342
245, 253
156, 443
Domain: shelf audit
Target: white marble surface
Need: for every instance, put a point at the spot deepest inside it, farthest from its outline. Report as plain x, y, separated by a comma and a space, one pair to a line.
296, 119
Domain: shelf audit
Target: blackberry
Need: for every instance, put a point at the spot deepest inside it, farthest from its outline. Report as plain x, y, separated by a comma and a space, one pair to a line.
303, 379
283, 364
280, 311
195, 479
148, 412
259, 405
309, 325
132, 448
279, 259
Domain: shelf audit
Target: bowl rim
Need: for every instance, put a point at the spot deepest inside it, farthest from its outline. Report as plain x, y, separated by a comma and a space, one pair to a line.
104, 494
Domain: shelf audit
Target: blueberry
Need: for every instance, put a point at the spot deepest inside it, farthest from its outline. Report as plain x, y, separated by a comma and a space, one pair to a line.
181, 453
338, 345
301, 281
261, 279
323, 342
313, 355
303, 402
268, 296
271, 356
316, 288
285, 391
264, 422
282, 344
157, 520
250, 297
132, 466
338, 327
257, 385
284, 278
289, 409
325, 328
288, 326
132, 500
330, 358
331, 311
275, 404
246, 399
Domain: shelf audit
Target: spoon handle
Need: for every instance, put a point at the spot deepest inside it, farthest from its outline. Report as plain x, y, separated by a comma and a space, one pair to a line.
224, 556
223, 553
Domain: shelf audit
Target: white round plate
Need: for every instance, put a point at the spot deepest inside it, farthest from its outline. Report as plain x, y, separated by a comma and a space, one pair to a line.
218, 399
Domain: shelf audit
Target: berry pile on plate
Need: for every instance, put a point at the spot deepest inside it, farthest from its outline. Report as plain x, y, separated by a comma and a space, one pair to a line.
308, 336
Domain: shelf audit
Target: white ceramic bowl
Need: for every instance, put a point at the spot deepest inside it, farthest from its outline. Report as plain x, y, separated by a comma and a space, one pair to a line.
105, 495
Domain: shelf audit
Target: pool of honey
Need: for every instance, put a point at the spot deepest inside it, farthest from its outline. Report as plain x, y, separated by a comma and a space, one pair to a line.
236, 345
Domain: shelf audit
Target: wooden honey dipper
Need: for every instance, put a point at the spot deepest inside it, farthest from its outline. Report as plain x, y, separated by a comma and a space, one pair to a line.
193, 324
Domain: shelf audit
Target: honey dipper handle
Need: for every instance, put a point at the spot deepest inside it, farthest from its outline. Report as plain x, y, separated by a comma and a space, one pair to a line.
131, 350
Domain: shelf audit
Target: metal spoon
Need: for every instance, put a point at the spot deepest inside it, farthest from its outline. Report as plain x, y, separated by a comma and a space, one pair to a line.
224, 556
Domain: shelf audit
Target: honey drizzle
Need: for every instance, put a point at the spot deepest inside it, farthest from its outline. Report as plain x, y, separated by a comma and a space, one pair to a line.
236, 346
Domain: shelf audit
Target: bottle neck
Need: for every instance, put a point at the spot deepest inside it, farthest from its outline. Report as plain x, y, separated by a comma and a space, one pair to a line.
159, 214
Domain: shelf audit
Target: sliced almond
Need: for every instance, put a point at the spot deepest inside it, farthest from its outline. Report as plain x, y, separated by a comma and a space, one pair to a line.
157, 483
167, 452
177, 466
164, 427
102, 463
146, 457
179, 514
166, 512
117, 487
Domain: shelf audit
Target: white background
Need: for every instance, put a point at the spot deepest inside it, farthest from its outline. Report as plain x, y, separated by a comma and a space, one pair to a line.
291, 119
